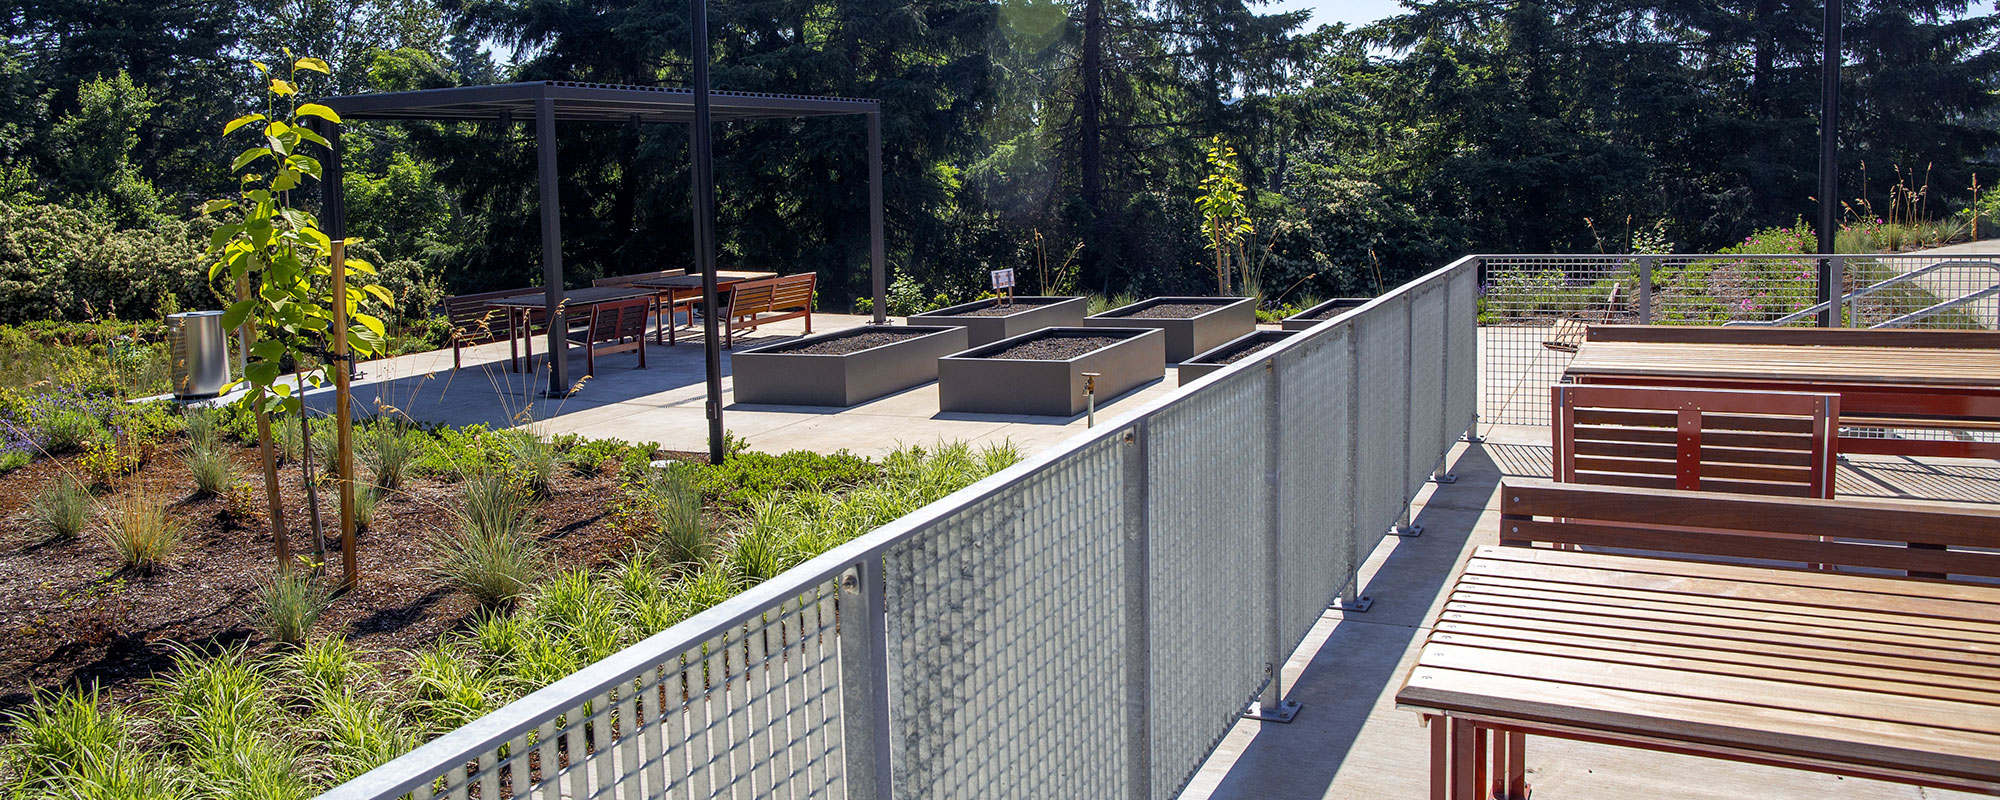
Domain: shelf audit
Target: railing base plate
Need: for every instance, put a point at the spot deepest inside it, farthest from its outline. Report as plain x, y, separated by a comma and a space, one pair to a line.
1443, 477
1359, 605
1411, 531
1283, 712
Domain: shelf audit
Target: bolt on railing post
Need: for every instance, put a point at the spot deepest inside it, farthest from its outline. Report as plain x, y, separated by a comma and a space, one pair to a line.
1270, 705
1645, 290
864, 682
1138, 643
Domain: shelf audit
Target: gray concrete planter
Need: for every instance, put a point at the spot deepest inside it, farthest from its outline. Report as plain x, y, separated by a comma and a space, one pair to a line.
1193, 369
1186, 336
975, 382
1036, 313
770, 375
1322, 312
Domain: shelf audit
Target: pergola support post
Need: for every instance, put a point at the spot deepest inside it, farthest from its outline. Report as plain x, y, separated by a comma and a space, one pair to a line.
552, 266
701, 151
877, 270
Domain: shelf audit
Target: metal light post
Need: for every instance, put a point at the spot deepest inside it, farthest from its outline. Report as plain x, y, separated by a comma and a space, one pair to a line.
704, 225
1829, 165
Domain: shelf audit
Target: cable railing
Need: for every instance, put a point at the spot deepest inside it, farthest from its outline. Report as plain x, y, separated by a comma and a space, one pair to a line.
1087, 623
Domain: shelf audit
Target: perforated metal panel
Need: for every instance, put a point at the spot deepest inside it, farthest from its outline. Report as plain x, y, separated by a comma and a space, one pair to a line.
1461, 353
1382, 366
1005, 624
1315, 532
1207, 522
1426, 409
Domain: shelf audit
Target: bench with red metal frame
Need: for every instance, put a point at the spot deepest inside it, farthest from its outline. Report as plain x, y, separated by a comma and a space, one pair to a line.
754, 303
616, 327
1779, 443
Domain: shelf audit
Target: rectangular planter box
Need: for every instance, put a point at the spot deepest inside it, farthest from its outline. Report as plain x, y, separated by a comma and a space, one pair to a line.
768, 375
1192, 369
1036, 313
970, 382
1186, 336
1306, 319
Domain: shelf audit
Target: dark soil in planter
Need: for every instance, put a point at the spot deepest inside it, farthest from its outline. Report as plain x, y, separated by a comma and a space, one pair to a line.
848, 344
1328, 313
999, 310
1056, 348
1167, 311
1244, 352
72, 616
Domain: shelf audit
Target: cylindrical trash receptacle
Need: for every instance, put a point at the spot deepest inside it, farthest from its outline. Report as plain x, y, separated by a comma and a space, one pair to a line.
199, 357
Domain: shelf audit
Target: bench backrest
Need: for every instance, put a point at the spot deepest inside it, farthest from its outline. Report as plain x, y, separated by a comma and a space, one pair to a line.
471, 318
624, 319
771, 294
1752, 442
1846, 337
793, 292
1922, 540
628, 280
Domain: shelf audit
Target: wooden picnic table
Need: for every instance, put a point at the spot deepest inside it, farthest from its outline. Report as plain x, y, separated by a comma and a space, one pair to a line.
1878, 677
1884, 387
521, 307
681, 290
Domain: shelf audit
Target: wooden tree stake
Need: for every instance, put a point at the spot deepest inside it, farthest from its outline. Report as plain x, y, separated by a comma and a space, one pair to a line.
343, 413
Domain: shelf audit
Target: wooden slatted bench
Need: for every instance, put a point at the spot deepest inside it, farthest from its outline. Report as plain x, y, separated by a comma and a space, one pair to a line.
1869, 675
614, 327
473, 321
754, 303
1778, 443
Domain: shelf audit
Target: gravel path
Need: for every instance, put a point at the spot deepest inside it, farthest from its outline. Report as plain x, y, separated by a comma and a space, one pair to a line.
1172, 311
848, 344
997, 310
1056, 348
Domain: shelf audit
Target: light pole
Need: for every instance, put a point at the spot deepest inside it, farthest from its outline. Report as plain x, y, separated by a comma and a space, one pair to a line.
701, 148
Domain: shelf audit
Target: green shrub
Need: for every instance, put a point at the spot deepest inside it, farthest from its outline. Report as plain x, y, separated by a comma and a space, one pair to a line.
213, 469
388, 453
673, 507
493, 505
492, 553
204, 427
218, 712
11, 460
747, 476
67, 430
104, 461
531, 460
63, 507
140, 531
77, 744
589, 456
448, 689
289, 604
325, 666
366, 498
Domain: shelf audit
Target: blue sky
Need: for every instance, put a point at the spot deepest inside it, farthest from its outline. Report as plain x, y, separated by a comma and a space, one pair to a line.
1362, 12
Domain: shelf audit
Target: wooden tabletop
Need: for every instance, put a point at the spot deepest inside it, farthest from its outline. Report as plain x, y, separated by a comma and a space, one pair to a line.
722, 277
573, 297
1890, 675
1795, 363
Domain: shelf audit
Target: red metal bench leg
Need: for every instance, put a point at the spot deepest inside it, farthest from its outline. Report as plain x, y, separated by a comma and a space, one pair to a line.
1465, 741
1440, 758
1516, 772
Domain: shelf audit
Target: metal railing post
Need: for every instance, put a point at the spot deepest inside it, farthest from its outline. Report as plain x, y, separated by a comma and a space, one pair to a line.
1351, 599
1138, 644
1270, 705
1645, 290
864, 682
1404, 525
1440, 472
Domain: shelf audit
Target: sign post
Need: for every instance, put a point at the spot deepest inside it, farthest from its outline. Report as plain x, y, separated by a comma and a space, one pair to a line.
1004, 279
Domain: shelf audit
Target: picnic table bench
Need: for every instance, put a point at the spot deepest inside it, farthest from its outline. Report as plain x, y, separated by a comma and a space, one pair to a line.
1888, 379
1868, 675
754, 303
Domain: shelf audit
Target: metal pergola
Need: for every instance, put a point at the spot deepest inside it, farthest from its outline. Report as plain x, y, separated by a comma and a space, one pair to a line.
547, 103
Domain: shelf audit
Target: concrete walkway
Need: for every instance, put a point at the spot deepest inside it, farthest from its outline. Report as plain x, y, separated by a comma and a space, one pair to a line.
664, 402
1350, 741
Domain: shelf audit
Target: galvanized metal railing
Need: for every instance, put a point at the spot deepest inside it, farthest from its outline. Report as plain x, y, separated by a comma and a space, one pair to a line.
1087, 623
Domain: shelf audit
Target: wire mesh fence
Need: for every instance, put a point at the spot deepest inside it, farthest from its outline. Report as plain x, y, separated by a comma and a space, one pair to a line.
1533, 308
1088, 623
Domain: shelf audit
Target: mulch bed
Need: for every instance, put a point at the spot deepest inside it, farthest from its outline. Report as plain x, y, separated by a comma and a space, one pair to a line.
998, 310
1166, 311
1056, 348
1328, 313
72, 616
1243, 352
855, 342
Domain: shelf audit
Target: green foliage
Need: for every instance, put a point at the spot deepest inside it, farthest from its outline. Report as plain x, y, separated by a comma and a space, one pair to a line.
93, 152
141, 530
531, 460
63, 263
212, 467
366, 499
289, 604
63, 507
104, 461
67, 430
670, 505
744, 477
1224, 217
492, 553
67, 744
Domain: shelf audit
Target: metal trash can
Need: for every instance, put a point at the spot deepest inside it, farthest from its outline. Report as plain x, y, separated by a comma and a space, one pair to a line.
198, 354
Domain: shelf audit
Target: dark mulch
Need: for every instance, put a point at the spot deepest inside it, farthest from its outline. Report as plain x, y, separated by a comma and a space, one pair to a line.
1243, 352
71, 616
1056, 348
1329, 313
998, 310
1167, 311
848, 344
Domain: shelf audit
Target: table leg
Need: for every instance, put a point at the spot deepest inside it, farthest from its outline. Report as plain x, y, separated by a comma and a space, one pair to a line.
1479, 763
1465, 753
513, 343
1440, 758
1516, 771
1498, 782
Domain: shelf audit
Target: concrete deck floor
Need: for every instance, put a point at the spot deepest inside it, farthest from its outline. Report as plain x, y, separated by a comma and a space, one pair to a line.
664, 402
1349, 740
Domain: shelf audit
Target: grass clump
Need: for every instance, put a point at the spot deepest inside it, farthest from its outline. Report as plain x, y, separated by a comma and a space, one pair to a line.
388, 453
219, 718
77, 744
492, 553
140, 531
672, 503
531, 460
289, 604
62, 508
214, 472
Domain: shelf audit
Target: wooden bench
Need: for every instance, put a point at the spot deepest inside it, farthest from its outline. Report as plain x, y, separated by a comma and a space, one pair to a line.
1777, 443
474, 322
615, 327
1869, 534
1837, 337
754, 303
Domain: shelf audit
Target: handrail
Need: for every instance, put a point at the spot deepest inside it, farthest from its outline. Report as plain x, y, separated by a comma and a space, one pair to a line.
1857, 294
706, 655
